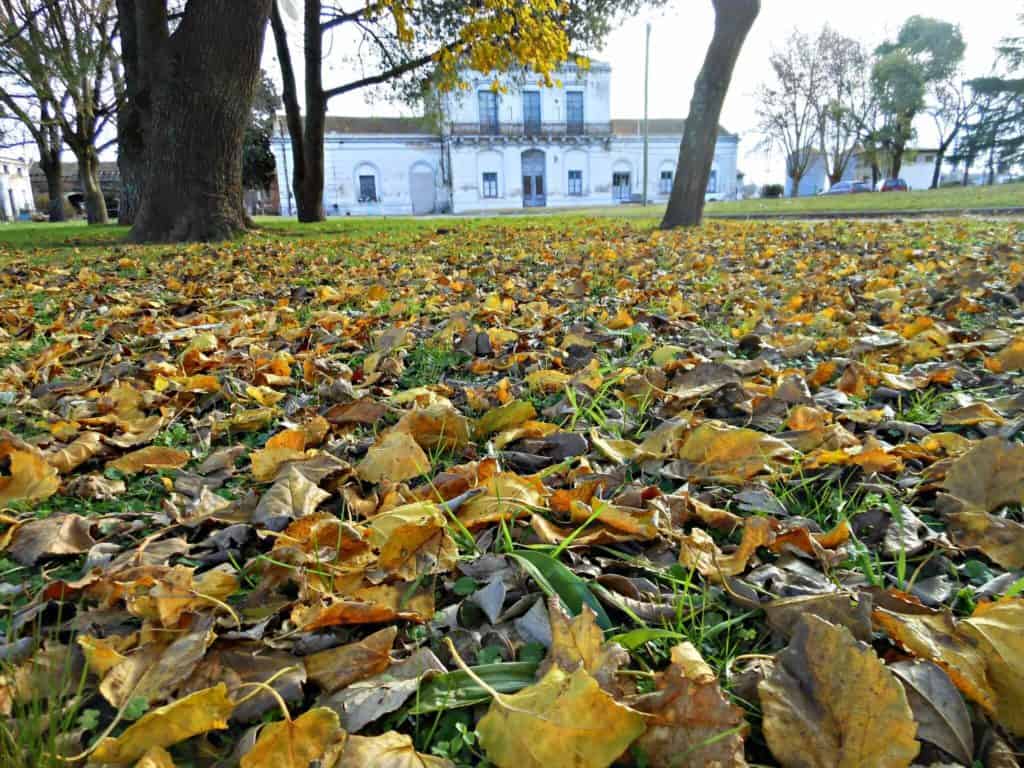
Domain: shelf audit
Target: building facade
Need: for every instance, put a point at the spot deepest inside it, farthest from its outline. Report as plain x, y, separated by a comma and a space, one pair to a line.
522, 145
16, 200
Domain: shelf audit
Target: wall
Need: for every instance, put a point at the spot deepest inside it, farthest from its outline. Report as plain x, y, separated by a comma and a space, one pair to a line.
463, 106
389, 159
15, 183
597, 159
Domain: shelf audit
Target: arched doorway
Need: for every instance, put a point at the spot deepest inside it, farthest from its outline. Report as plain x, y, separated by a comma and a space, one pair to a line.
534, 186
422, 189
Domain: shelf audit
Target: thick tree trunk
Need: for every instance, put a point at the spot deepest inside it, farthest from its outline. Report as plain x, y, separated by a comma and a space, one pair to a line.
131, 111
89, 177
794, 189
50, 165
201, 96
733, 19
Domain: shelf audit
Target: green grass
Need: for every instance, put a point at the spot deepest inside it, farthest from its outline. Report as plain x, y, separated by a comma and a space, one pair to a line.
72, 238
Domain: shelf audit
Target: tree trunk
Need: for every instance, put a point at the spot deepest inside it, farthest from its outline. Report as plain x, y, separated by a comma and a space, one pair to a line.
50, 165
794, 189
967, 173
937, 173
201, 93
733, 19
89, 177
309, 190
876, 173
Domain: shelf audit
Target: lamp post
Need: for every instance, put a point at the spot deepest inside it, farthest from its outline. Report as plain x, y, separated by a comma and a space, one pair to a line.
647, 72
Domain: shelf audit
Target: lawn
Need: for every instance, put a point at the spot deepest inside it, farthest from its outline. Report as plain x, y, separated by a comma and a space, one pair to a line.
497, 491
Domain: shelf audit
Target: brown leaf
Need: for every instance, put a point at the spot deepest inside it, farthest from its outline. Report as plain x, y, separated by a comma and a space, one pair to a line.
86, 446
942, 717
692, 722
579, 642
699, 551
830, 702
437, 426
999, 539
338, 667
937, 638
988, 476
151, 458
51, 536
292, 496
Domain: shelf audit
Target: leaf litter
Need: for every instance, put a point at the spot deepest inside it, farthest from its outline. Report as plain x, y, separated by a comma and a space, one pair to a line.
517, 494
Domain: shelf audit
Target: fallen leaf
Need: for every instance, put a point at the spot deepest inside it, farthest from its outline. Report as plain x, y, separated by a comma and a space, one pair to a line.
396, 457
151, 458
201, 712
829, 701
998, 628
49, 537
292, 496
579, 643
988, 476
338, 667
26, 475
998, 538
942, 718
389, 750
563, 719
692, 723
294, 743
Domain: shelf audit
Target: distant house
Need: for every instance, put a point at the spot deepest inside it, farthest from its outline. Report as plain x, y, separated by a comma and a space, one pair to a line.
917, 168
110, 183
16, 197
523, 146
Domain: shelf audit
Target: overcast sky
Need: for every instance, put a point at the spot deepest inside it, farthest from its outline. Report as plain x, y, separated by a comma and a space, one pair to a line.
681, 33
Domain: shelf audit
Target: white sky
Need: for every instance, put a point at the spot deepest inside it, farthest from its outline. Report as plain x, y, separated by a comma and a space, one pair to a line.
681, 33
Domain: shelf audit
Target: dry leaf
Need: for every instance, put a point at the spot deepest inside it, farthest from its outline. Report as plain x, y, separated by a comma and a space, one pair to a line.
151, 458
200, 712
389, 750
338, 667
294, 743
829, 702
692, 723
396, 457
26, 475
988, 476
564, 719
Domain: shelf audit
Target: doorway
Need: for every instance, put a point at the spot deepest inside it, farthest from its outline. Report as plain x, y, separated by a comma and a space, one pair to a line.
621, 188
534, 188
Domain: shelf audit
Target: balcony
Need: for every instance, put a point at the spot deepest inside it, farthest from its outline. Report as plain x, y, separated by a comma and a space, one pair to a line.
531, 130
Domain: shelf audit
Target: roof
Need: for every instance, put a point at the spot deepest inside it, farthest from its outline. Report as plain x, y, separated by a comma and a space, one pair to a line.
417, 126
658, 127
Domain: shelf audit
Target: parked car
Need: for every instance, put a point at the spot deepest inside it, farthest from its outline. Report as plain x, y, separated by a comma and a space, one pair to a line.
894, 185
847, 188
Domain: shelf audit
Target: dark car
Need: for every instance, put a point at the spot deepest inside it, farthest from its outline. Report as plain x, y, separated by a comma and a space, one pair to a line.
847, 188
894, 185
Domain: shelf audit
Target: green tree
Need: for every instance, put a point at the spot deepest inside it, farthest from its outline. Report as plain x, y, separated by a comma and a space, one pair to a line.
926, 51
1000, 129
258, 165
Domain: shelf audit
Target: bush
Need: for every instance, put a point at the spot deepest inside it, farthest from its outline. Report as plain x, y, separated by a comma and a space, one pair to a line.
772, 190
43, 206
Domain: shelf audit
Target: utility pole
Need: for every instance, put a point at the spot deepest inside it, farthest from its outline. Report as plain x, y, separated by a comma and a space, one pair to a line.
284, 155
647, 75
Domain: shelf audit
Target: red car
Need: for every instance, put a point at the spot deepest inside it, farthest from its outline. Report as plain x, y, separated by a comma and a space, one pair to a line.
894, 185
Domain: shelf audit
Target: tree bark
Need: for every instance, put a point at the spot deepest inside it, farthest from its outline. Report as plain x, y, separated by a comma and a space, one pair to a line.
50, 165
130, 116
309, 189
794, 189
89, 177
937, 173
733, 19
201, 86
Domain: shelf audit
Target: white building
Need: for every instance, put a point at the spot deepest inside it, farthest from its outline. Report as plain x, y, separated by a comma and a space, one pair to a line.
523, 146
15, 188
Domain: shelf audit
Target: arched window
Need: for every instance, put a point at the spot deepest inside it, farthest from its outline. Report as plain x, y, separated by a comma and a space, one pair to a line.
713, 181
367, 184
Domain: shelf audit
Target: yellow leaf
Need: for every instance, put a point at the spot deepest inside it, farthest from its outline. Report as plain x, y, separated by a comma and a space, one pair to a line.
156, 757
547, 381
564, 719
504, 417
413, 541
151, 458
506, 496
733, 454
389, 750
395, 457
437, 426
294, 743
86, 446
829, 702
28, 477
999, 630
200, 712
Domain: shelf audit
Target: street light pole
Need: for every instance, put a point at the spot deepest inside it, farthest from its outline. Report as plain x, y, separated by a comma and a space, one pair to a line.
647, 72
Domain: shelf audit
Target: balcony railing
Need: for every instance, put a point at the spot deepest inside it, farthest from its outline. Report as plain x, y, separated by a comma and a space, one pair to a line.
531, 129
